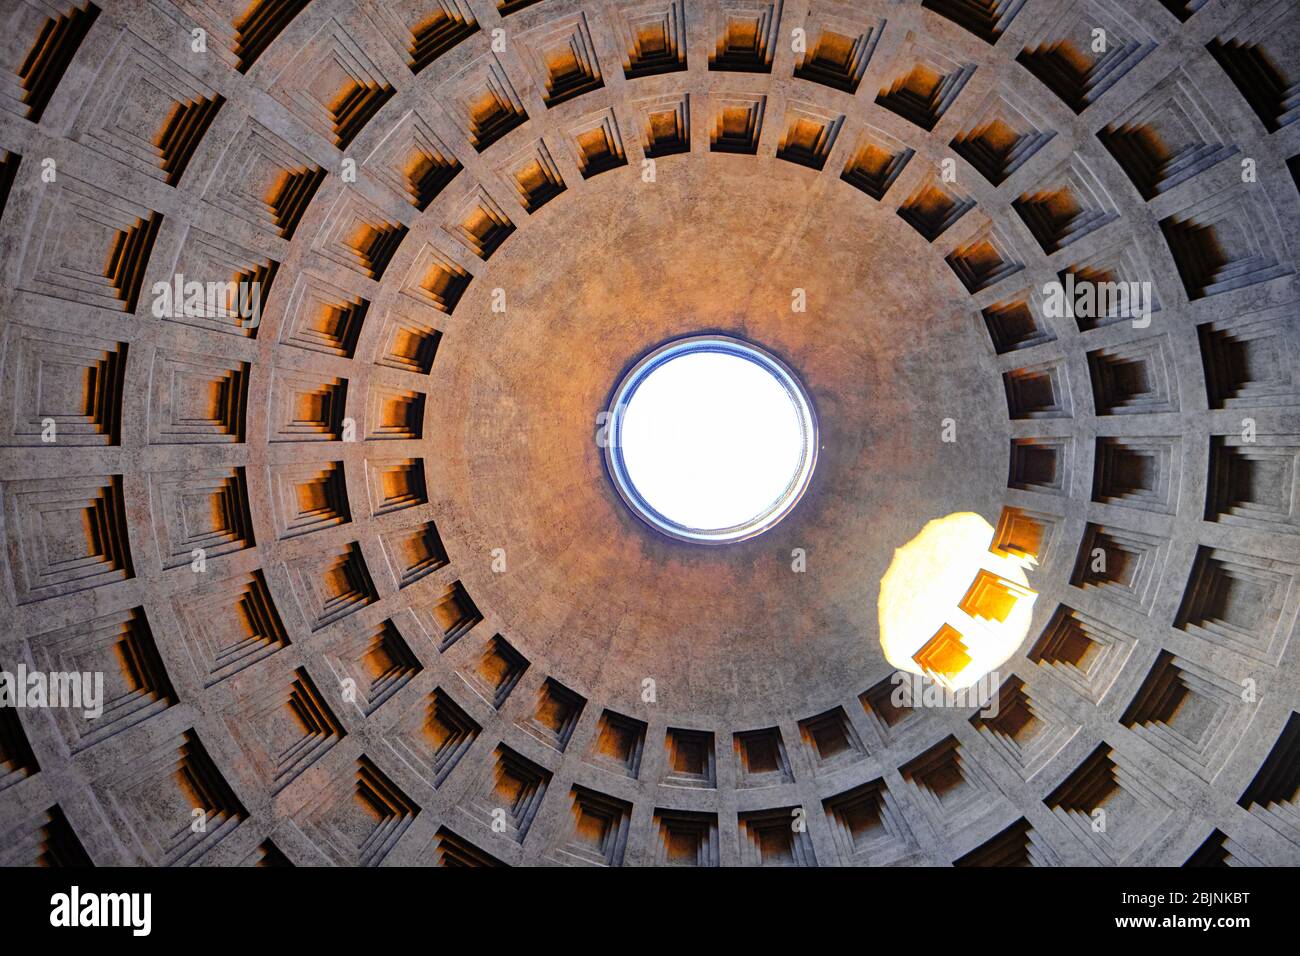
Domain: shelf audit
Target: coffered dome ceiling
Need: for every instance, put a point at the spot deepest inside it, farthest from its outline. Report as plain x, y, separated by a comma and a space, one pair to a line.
347, 553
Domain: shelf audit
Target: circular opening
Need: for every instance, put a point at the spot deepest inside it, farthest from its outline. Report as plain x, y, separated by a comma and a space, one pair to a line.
711, 439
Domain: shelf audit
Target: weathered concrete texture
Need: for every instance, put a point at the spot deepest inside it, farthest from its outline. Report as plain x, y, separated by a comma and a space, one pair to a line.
418, 587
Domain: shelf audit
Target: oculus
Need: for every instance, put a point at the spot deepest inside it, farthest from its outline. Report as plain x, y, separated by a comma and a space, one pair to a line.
710, 439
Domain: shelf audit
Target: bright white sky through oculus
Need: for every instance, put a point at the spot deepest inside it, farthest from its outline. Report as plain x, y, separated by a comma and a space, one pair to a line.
711, 440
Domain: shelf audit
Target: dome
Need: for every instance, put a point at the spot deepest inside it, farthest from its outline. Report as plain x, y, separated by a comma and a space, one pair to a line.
314, 318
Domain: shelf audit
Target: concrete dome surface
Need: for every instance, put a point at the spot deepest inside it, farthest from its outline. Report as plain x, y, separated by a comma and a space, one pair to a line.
309, 312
